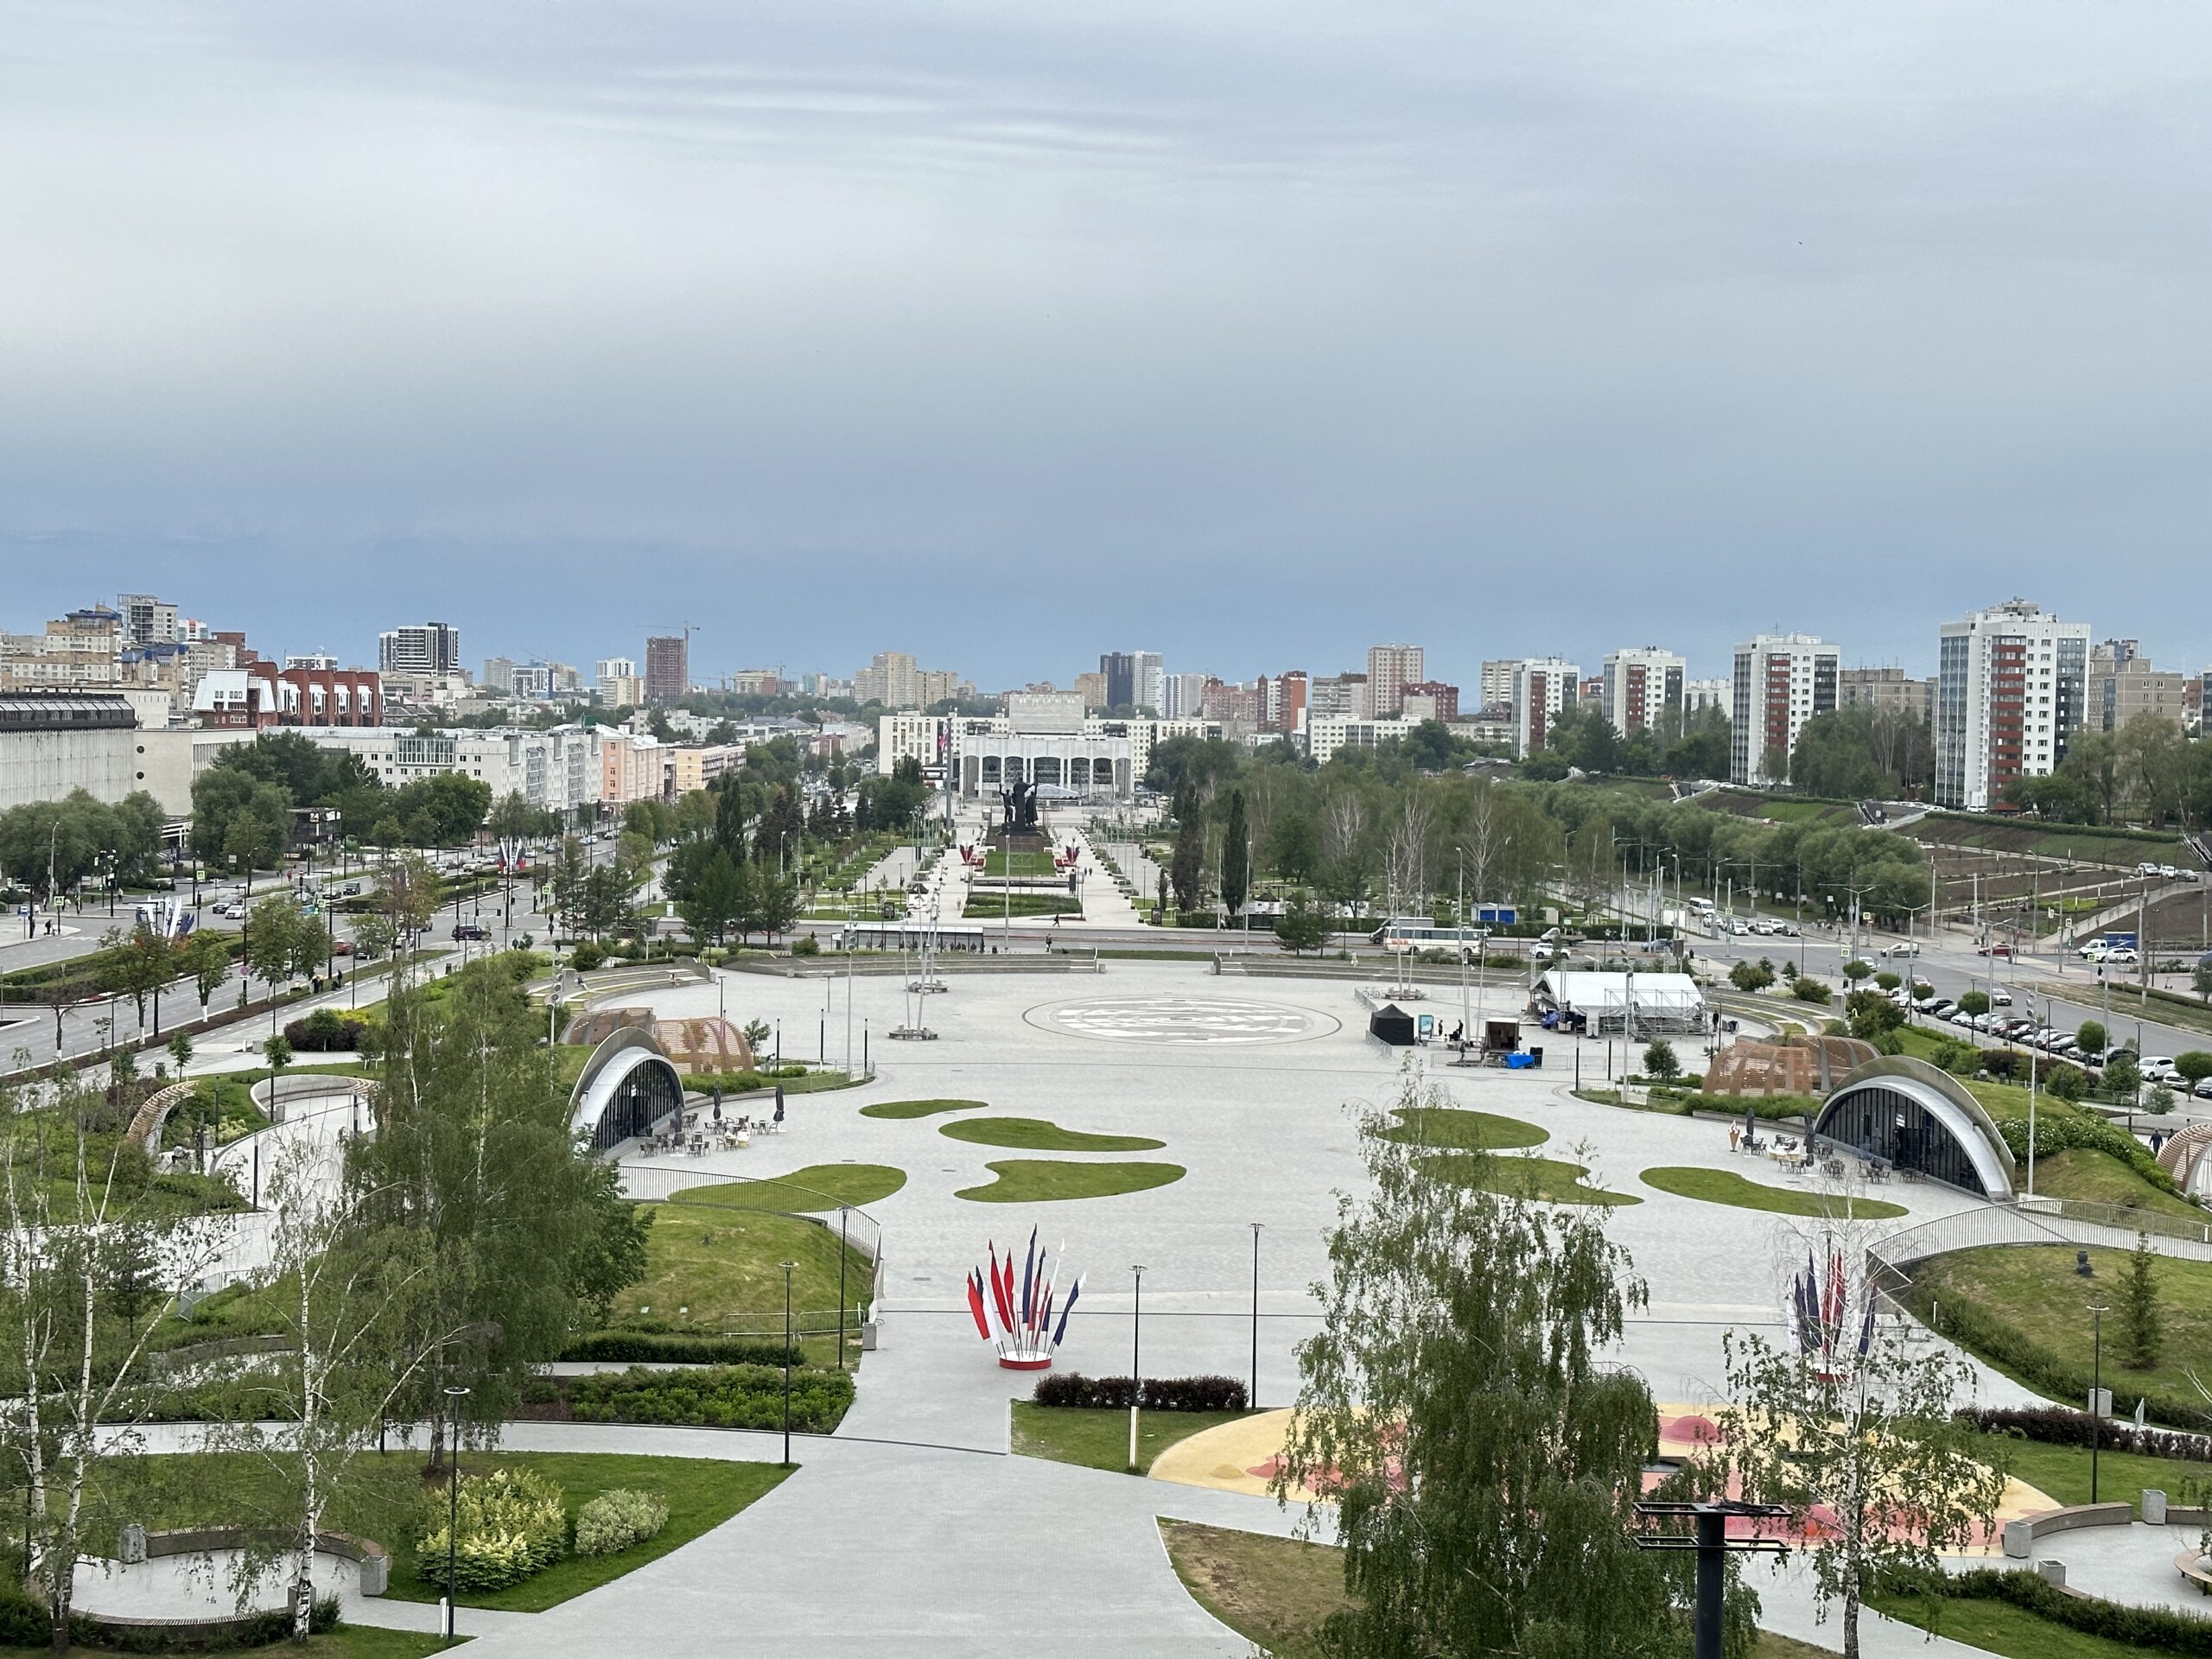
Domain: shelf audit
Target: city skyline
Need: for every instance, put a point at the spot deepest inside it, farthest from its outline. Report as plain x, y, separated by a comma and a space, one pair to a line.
1253, 334
281, 624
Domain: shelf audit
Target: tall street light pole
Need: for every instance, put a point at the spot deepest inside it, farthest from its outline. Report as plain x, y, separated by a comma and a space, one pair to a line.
789, 1269
454, 1397
2096, 1390
1253, 1399
1136, 1367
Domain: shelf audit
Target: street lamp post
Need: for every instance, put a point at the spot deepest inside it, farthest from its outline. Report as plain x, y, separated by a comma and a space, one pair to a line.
1253, 1399
1136, 1367
454, 1397
2096, 1389
789, 1269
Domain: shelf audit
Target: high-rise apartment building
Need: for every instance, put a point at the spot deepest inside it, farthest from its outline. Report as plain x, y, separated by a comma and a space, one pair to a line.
1500, 676
1542, 687
1639, 686
498, 674
1390, 669
1429, 700
2011, 691
1781, 680
1148, 673
420, 648
1287, 712
668, 667
2123, 684
1182, 693
1698, 695
147, 621
1887, 689
1117, 673
1093, 690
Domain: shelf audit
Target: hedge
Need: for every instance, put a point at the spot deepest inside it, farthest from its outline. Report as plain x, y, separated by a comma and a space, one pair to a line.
629, 1347
1991, 1339
2062, 1426
326, 1031
25, 1623
2056, 1132
722, 1396
1160, 1393
2172, 1631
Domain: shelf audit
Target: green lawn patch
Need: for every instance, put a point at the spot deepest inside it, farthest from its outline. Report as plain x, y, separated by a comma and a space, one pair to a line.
2021, 1299
1725, 1186
1035, 1134
1275, 1592
988, 906
2000, 1627
2099, 1178
1100, 1439
1465, 1131
708, 1266
2063, 1470
1548, 1180
814, 1190
702, 1493
1047, 1180
920, 1107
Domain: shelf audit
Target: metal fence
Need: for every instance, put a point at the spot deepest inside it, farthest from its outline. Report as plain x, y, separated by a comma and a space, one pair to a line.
2070, 1222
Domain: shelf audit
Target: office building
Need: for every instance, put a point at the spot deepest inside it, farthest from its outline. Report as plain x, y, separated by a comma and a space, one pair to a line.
1781, 680
2012, 689
668, 668
1638, 686
1390, 669
1542, 687
432, 648
1118, 679
1148, 674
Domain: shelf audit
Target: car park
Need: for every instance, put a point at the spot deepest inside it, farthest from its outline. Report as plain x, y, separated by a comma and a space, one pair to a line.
2159, 1068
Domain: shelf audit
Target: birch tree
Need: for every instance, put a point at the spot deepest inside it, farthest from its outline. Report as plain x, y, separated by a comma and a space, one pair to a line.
343, 1295
78, 1221
1854, 1416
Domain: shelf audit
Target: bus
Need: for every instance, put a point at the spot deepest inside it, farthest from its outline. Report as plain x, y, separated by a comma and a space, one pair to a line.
1421, 933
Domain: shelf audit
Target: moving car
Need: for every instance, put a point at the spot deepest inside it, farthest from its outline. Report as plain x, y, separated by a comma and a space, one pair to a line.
471, 931
1902, 948
1995, 950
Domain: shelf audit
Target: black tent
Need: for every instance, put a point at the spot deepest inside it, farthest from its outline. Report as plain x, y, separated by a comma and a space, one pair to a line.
1393, 1024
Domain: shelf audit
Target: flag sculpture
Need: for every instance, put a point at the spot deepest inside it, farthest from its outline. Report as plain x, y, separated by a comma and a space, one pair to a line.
1830, 1330
1023, 1317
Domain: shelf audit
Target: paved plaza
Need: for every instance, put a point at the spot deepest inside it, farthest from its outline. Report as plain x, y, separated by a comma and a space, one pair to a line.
896, 1533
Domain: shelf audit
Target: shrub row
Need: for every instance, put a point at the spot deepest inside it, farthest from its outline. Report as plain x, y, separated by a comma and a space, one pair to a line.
614, 1521
25, 1623
513, 1524
2057, 1132
2160, 1628
2062, 1426
326, 1031
1160, 1393
629, 1347
1991, 1339
723, 1396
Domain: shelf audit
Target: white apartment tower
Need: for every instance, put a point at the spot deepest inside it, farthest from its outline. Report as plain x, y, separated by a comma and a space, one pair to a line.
2011, 688
1641, 684
1390, 669
1781, 680
1542, 687
420, 648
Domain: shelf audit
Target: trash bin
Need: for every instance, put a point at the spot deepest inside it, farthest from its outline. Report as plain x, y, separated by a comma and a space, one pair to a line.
1536, 1055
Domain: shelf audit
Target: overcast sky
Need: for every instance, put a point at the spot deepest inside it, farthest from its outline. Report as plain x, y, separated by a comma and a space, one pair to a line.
1009, 333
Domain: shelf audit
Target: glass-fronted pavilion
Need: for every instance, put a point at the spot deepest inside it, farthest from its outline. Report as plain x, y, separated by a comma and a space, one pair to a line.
627, 1088
1910, 1114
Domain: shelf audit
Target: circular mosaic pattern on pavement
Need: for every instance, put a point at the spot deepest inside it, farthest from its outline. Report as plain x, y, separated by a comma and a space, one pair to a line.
1178, 1020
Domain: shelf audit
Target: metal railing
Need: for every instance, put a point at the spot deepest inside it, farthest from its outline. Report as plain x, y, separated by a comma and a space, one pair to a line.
2068, 1222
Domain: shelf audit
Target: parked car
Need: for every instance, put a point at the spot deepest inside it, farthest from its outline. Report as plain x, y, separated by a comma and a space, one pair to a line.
1942, 1008
2159, 1068
2203, 1089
